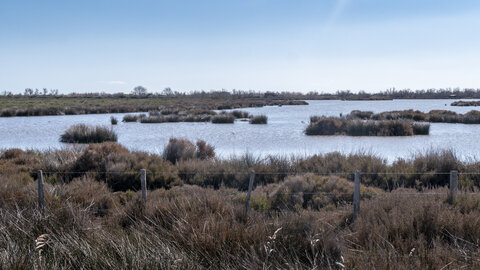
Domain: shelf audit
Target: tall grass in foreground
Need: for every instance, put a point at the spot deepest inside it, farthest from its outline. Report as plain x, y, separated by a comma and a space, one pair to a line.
85, 225
351, 127
88, 134
259, 119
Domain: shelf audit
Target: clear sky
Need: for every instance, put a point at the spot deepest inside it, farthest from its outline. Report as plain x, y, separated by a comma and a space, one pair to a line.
295, 45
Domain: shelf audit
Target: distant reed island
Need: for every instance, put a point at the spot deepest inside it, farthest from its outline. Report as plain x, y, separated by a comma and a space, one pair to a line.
51, 102
465, 103
434, 116
355, 127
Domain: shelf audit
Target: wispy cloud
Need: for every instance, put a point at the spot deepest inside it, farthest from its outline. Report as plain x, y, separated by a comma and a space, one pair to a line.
337, 10
114, 82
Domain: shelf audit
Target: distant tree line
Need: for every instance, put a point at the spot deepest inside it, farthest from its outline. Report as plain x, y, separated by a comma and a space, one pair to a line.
392, 93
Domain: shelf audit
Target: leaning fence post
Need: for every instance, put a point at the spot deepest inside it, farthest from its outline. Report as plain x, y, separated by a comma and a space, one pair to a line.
452, 196
250, 186
143, 180
41, 197
356, 195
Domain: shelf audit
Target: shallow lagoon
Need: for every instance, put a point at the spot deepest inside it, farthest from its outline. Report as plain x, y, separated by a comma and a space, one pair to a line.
282, 135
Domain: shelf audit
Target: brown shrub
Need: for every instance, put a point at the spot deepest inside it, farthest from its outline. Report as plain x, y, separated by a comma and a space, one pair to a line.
178, 149
204, 150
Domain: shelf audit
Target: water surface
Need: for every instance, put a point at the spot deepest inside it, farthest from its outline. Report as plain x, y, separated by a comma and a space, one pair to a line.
282, 135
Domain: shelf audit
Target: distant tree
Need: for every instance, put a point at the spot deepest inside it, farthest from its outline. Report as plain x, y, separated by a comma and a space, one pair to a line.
28, 92
139, 90
53, 92
45, 91
167, 91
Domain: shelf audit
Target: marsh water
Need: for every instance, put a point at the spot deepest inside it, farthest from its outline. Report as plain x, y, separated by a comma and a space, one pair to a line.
283, 135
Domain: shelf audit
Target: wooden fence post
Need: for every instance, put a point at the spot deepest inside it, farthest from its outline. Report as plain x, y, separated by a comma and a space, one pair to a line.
41, 196
143, 180
452, 196
250, 187
356, 196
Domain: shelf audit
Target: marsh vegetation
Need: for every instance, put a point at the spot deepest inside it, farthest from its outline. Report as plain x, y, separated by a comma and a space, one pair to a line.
195, 218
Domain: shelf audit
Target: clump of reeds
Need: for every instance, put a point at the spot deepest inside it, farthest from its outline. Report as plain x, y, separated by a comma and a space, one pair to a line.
161, 119
82, 133
133, 117
361, 114
171, 118
259, 119
240, 114
352, 127
421, 128
113, 120
223, 119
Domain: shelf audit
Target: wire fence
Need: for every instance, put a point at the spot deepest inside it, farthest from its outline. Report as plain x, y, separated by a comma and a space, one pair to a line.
354, 196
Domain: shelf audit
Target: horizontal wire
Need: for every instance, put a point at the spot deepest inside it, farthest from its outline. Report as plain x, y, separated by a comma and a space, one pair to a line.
260, 173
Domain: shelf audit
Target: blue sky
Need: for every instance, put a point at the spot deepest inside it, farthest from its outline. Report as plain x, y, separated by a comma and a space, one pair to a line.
295, 45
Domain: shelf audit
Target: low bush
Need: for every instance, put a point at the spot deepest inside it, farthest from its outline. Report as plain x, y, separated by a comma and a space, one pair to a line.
223, 119
113, 120
178, 149
259, 119
88, 134
181, 149
133, 117
240, 114
204, 150
119, 168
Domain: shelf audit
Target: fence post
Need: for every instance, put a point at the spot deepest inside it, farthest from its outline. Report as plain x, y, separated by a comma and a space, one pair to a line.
356, 195
41, 196
143, 180
452, 196
250, 186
